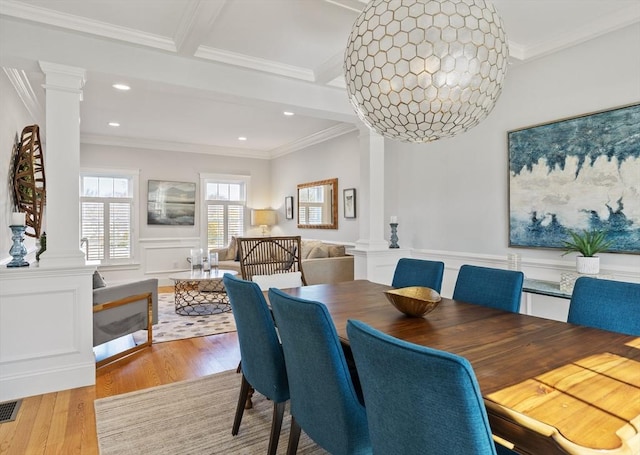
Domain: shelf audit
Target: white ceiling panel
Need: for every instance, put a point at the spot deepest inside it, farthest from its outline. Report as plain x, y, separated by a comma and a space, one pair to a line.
293, 47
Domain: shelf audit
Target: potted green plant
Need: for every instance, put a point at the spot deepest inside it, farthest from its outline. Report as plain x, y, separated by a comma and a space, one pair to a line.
587, 244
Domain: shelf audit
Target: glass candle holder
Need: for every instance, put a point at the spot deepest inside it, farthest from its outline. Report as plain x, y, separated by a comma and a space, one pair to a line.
196, 259
17, 250
394, 235
213, 261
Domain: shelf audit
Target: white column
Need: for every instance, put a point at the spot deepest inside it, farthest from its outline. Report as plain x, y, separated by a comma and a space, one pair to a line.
372, 200
373, 260
63, 86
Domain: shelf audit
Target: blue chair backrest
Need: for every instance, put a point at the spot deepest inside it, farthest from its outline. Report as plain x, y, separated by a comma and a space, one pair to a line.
606, 304
263, 362
495, 288
418, 400
418, 272
323, 399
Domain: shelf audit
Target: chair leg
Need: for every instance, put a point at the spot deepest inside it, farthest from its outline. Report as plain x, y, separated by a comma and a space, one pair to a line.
242, 399
276, 425
294, 437
249, 403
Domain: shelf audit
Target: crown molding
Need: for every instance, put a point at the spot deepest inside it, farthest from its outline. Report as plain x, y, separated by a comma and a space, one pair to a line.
23, 88
519, 53
50, 17
167, 146
588, 31
352, 5
313, 139
254, 63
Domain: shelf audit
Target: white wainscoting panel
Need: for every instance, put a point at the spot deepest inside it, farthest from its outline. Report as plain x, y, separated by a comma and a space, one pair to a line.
550, 270
46, 330
52, 306
163, 256
545, 306
377, 265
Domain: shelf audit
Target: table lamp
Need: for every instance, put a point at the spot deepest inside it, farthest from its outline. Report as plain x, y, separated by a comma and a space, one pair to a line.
263, 218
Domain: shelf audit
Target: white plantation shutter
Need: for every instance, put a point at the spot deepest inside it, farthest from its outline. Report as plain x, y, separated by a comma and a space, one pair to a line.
119, 230
215, 226
225, 209
315, 214
92, 221
310, 205
235, 221
106, 217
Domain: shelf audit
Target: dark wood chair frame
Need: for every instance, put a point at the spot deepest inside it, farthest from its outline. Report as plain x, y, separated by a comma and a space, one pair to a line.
270, 255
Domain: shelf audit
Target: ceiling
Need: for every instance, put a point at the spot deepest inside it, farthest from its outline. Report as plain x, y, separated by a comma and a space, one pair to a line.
205, 72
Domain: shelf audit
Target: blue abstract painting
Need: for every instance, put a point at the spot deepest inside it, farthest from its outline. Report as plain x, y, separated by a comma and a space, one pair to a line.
577, 174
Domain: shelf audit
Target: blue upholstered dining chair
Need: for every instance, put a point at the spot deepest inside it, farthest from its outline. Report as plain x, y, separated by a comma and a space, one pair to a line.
606, 304
418, 272
262, 359
419, 400
495, 288
324, 402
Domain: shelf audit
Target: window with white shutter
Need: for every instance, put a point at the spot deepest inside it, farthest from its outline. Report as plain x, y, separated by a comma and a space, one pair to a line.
107, 208
310, 204
224, 208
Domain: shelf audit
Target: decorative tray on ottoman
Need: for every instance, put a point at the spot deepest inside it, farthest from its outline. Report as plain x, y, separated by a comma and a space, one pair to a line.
415, 301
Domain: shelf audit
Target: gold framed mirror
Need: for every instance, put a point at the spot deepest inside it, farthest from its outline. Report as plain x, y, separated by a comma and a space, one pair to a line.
318, 204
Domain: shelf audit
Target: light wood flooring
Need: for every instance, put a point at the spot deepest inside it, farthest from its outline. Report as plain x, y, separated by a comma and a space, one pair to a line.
64, 422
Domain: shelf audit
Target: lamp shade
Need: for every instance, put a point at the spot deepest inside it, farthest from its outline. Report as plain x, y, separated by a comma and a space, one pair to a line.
263, 217
422, 70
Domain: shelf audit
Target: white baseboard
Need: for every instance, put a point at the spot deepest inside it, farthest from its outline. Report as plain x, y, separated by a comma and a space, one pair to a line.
45, 381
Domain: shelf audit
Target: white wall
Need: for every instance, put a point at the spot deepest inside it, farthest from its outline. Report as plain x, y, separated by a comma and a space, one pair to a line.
181, 167
335, 158
13, 118
164, 249
451, 195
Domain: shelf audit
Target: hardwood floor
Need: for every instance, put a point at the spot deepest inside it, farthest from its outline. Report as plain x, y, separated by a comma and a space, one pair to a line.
64, 422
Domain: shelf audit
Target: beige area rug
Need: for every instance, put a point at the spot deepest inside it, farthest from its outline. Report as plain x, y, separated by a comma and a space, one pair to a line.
172, 326
190, 417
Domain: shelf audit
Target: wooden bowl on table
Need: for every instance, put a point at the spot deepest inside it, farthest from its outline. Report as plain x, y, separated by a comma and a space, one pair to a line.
414, 301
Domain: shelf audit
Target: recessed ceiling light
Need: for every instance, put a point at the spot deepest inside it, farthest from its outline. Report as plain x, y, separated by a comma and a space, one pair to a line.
242, 138
114, 124
123, 87
289, 114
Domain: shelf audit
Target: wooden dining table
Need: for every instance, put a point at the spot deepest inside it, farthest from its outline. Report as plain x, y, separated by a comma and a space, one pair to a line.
549, 387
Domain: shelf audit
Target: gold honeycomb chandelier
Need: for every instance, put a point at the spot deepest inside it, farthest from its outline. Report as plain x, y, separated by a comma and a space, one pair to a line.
422, 70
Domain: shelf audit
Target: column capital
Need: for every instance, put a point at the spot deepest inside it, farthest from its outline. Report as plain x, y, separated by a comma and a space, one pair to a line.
365, 132
63, 77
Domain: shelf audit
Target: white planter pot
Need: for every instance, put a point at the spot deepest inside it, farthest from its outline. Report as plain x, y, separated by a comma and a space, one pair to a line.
588, 266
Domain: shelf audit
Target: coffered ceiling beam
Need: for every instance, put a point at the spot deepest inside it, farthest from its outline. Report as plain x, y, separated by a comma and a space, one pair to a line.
196, 23
209, 79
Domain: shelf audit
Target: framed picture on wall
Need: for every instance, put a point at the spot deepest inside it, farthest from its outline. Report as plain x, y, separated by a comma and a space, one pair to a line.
576, 174
349, 199
171, 203
288, 207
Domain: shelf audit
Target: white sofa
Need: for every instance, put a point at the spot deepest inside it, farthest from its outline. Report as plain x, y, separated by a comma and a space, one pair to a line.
322, 262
